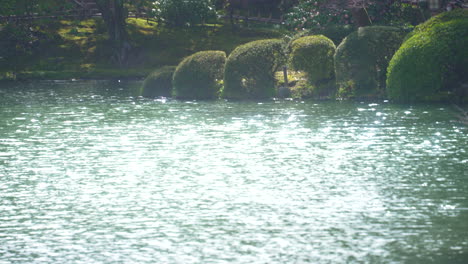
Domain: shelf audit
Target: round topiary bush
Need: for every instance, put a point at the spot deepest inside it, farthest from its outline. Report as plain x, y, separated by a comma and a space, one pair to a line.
198, 76
314, 56
159, 82
362, 58
250, 70
432, 63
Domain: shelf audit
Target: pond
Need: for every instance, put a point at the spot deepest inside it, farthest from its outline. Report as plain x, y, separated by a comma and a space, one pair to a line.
90, 173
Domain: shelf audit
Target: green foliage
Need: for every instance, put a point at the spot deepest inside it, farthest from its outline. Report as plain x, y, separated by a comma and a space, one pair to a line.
362, 58
391, 12
438, 20
13, 38
85, 54
250, 70
21, 37
19, 41
159, 82
316, 14
29, 7
319, 14
314, 56
184, 12
198, 76
432, 64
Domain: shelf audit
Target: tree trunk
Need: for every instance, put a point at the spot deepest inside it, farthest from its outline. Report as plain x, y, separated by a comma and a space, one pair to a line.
114, 15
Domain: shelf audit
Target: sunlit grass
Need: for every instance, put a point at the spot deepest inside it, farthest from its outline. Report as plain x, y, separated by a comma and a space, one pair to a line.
143, 26
78, 31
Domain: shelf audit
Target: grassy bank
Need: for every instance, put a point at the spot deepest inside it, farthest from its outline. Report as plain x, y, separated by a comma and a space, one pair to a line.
80, 49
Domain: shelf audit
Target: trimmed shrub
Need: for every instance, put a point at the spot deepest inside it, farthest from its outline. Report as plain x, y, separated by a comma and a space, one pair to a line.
314, 56
159, 82
432, 64
362, 58
250, 70
198, 76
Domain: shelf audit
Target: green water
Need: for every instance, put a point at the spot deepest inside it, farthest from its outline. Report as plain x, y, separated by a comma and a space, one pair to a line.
91, 174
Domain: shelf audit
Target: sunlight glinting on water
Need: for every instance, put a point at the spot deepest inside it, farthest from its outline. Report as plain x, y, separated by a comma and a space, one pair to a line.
92, 177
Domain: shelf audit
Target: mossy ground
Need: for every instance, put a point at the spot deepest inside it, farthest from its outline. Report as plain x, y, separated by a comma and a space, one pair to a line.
80, 49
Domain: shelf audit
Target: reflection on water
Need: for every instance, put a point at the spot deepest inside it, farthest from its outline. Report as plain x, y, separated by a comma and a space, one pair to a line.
88, 175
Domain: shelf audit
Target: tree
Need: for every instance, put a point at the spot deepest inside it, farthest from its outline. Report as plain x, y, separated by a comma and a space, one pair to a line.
115, 14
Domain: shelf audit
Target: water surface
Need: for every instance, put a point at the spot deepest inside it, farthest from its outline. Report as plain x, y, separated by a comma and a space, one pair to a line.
91, 174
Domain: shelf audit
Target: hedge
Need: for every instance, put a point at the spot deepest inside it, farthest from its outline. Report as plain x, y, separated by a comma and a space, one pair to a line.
250, 70
159, 82
198, 76
362, 58
314, 56
432, 64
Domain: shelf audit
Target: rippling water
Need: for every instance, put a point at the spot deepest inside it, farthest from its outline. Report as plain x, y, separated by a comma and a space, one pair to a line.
91, 175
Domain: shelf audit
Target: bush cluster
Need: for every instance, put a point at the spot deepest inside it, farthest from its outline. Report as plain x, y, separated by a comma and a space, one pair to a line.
362, 58
198, 76
432, 63
314, 56
159, 82
250, 70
